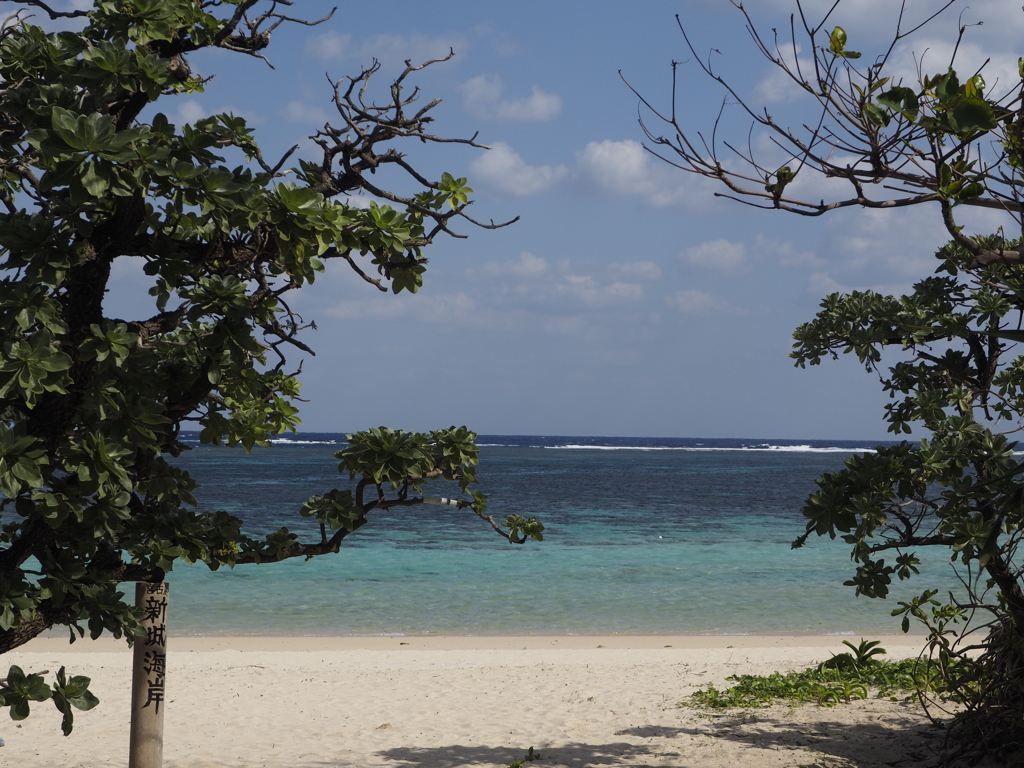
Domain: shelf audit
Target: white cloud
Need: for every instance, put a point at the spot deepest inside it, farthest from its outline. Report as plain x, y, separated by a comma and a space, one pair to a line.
640, 270
589, 291
822, 284
391, 50
298, 111
539, 105
361, 201
428, 308
503, 169
481, 97
188, 111
329, 45
903, 242
416, 47
721, 255
776, 86
495, 40
786, 253
533, 279
527, 265
480, 94
700, 303
998, 68
871, 23
565, 326
626, 168
191, 110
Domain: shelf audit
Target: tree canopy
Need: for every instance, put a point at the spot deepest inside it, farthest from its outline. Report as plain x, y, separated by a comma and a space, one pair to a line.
946, 352
92, 406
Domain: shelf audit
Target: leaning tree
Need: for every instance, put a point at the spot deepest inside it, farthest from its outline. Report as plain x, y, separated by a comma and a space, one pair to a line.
948, 140
91, 406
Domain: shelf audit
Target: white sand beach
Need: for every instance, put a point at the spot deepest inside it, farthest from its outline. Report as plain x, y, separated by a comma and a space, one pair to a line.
446, 702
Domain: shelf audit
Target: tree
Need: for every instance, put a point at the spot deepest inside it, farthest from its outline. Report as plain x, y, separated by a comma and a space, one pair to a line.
91, 406
959, 489
944, 140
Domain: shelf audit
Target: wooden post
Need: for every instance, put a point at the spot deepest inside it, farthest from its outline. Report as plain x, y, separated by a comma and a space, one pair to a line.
146, 749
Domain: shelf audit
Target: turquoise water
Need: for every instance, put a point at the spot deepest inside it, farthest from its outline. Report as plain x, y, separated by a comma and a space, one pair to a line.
643, 536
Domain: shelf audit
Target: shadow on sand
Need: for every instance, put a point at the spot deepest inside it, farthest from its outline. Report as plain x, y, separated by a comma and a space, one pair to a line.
817, 739
808, 737
572, 754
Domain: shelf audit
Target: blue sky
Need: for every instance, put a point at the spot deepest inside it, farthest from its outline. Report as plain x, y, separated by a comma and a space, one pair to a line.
628, 300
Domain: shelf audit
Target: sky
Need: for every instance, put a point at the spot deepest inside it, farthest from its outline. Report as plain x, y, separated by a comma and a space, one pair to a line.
628, 300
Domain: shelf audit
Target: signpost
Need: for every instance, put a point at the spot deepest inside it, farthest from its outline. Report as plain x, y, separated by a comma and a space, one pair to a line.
149, 673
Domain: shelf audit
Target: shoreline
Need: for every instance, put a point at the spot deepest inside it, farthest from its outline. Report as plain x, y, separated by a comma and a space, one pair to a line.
299, 643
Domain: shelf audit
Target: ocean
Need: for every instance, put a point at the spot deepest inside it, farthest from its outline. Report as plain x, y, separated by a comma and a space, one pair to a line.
644, 536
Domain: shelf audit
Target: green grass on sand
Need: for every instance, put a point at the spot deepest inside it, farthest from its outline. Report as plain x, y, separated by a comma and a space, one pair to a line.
842, 678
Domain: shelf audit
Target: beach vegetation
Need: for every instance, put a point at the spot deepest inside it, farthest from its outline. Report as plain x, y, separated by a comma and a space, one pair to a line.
873, 136
843, 678
94, 173
529, 757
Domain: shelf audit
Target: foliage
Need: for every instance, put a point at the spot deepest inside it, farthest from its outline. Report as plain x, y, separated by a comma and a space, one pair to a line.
862, 655
951, 368
529, 757
91, 406
842, 678
18, 689
956, 375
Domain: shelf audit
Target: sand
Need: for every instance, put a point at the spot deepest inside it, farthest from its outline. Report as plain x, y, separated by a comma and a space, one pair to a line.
445, 702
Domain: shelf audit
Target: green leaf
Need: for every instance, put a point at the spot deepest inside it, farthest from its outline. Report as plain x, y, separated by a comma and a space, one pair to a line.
837, 44
72, 694
299, 199
837, 40
876, 115
974, 87
902, 100
970, 115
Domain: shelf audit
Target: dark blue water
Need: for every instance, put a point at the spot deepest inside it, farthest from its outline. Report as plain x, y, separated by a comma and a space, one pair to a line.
643, 535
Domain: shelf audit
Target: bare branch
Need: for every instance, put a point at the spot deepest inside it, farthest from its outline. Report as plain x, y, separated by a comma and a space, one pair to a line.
52, 13
852, 138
